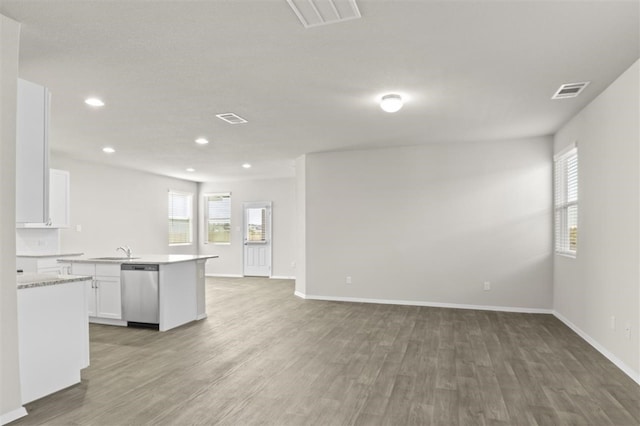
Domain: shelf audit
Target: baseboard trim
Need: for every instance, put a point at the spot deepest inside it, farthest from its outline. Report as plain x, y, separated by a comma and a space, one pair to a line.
634, 375
201, 317
282, 277
107, 321
12, 415
429, 304
224, 275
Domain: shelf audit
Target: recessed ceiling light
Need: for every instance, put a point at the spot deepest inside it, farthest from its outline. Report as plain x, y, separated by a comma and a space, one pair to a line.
391, 102
94, 102
246, 165
202, 141
108, 150
190, 169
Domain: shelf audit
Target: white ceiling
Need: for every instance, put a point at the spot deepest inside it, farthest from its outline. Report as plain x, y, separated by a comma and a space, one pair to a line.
471, 70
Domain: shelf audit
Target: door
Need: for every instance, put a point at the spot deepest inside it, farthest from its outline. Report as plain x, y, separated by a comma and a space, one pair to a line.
257, 239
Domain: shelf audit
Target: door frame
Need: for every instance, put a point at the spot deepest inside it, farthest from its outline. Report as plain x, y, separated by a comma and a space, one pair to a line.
268, 234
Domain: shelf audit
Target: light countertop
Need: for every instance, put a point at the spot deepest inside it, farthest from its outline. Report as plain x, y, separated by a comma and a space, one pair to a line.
30, 280
49, 255
144, 259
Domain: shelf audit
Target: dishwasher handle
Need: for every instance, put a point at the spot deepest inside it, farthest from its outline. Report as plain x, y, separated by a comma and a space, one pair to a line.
138, 267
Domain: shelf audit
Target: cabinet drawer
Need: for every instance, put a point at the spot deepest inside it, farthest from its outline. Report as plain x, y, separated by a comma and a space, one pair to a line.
108, 270
83, 269
55, 270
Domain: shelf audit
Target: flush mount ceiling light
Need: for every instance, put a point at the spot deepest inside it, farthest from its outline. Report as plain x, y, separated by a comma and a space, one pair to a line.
391, 102
191, 170
108, 150
95, 102
202, 141
246, 165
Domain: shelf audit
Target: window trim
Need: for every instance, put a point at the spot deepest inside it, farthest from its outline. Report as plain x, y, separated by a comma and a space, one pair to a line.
190, 216
205, 204
562, 204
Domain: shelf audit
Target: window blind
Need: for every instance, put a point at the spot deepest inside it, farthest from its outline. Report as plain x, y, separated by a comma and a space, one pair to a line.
566, 202
218, 217
180, 218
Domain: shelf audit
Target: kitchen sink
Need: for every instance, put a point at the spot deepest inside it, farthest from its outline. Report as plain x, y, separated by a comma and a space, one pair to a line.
113, 258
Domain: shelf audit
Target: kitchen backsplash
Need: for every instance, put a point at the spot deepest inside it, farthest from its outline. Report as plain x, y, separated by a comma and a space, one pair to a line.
31, 241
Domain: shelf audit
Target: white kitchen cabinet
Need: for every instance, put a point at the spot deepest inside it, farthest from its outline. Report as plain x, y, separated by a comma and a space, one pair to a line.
32, 153
108, 300
54, 337
105, 294
40, 265
58, 212
59, 189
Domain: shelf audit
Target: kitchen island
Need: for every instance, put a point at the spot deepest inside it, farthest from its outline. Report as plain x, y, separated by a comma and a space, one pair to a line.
180, 287
54, 332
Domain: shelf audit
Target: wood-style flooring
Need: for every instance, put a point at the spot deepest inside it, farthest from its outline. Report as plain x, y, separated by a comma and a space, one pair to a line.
264, 356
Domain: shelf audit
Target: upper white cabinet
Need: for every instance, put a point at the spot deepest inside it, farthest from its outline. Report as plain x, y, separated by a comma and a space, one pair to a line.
58, 210
32, 153
59, 198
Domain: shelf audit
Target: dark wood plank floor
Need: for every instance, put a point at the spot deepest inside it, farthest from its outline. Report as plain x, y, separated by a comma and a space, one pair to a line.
264, 356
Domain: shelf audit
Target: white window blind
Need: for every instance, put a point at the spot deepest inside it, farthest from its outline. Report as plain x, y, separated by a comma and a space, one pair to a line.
566, 202
217, 218
180, 218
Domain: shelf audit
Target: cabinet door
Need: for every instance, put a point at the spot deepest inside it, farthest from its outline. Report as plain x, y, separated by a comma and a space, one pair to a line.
59, 198
32, 153
109, 299
91, 298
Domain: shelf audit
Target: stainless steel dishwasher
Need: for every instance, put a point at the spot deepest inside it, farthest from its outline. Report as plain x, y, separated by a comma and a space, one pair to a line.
140, 296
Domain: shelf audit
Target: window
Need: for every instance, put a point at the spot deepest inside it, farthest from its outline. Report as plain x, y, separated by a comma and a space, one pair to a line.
180, 218
217, 218
566, 201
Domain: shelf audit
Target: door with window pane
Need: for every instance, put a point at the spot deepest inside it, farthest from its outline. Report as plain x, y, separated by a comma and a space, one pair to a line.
257, 239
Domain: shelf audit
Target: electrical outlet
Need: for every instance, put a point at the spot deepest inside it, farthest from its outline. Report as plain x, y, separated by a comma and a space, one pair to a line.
487, 285
627, 331
78, 228
293, 265
612, 322
348, 280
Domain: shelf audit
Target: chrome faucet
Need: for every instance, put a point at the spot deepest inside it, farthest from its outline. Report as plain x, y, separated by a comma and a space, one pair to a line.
126, 250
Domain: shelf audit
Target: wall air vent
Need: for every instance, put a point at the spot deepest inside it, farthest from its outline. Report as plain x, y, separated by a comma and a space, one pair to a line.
231, 118
313, 13
570, 90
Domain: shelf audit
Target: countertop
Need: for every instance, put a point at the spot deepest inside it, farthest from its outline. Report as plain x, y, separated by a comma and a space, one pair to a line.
49, 255
144, 259
30, 280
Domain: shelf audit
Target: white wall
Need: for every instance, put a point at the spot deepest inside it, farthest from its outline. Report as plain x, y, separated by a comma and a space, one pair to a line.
301, 223
281, 192
116, 207
430, 224
10, 401
604, 279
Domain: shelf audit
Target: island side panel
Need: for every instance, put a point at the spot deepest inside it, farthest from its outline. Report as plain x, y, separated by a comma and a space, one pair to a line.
177, 294
201, 297
52, 324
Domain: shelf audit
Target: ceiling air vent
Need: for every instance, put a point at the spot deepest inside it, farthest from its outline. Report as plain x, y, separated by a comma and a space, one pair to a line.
231, 118
570, 90
313, 13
